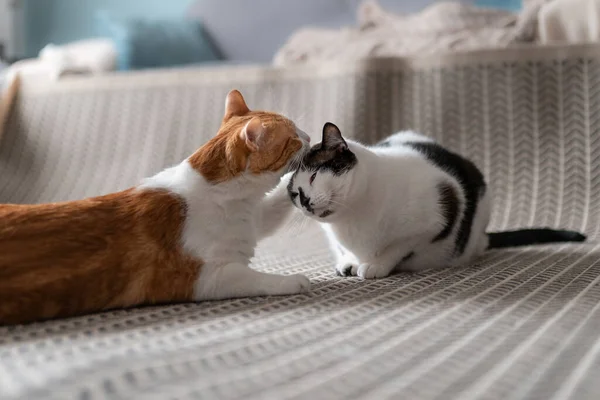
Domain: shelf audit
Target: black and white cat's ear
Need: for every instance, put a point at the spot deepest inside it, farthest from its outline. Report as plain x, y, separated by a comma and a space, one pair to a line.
332, 138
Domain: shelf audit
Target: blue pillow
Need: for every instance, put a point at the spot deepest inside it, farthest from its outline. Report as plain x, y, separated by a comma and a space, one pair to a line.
157, 43
511, 5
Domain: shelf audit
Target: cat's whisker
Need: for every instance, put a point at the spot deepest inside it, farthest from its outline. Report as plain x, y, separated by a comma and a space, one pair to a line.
293, 225
302, 165
303, 224
296, 224
270, 97
301, 119
337, 203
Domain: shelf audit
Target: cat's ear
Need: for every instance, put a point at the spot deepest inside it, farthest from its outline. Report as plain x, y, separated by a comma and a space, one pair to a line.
332, 138
251, 133
235, 105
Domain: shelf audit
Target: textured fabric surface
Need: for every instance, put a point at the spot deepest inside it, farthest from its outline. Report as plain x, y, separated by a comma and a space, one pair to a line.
522, 323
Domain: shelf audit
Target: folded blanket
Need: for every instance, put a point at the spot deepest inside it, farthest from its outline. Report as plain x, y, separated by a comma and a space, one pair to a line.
441, 27
571, 21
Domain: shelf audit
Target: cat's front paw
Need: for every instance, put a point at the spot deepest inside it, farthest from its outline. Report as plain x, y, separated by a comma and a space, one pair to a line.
372, 271
294, 284
346, 268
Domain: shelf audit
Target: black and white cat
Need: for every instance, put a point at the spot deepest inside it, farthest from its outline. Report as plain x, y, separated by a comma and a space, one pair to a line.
405, 203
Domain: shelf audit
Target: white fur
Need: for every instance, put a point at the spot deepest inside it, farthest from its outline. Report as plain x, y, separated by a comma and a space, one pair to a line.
386, 207
223, 225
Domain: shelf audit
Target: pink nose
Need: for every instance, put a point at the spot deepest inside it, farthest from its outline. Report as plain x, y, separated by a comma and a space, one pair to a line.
302, 135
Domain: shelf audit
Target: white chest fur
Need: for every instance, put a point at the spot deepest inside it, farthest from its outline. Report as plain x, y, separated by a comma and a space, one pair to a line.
220, 229
219, 225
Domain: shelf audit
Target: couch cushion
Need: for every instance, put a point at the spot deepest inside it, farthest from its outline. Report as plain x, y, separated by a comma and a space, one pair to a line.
153, 44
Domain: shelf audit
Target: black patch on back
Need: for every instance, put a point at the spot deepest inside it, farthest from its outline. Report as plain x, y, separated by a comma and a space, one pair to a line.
336, 161
449, 203
408, 256
468, 175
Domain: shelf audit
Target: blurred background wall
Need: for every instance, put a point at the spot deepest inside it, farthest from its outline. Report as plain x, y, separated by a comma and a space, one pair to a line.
62, 21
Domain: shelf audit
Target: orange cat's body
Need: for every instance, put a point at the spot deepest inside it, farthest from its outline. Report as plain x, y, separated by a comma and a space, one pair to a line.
123, 249
106, 252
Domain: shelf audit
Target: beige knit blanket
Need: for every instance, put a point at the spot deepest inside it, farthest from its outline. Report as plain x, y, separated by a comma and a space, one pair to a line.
571, 21
440, 28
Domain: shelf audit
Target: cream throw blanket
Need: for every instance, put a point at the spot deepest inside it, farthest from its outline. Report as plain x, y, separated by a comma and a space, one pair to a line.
572, 21
443, 27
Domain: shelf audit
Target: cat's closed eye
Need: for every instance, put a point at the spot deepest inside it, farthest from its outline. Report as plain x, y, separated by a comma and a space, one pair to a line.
312, 178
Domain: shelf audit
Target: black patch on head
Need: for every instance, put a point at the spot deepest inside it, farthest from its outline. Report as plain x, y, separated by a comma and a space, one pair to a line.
332, 154
449, 203
326, 213
468, 175
322, 159
305, 201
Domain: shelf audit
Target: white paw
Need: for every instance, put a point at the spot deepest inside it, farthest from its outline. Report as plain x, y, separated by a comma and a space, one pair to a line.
346, 268
372, 271
294, 284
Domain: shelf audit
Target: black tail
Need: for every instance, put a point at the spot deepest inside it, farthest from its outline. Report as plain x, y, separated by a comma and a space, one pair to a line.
526, 237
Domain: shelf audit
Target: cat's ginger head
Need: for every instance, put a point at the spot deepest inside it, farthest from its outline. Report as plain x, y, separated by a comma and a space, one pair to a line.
254, 142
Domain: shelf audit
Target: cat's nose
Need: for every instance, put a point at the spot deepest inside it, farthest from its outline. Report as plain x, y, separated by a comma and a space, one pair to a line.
302, 135
304, 200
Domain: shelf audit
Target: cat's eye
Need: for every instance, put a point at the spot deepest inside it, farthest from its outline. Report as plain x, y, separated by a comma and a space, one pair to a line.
312, 178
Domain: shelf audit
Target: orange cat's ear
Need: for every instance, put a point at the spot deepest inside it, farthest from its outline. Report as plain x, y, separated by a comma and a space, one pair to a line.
235, 105
251, 133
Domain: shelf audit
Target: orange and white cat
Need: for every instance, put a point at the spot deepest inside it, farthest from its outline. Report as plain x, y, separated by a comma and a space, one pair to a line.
185, 234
